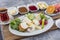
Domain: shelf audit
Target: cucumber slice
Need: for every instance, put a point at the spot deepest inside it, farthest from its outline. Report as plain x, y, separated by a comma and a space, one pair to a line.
30, 16
43, 20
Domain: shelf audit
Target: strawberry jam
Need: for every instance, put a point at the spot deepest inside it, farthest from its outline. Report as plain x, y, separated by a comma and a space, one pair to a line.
32, 8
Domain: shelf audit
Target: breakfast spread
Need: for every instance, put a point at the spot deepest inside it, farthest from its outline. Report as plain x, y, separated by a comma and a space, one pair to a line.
29, 22
33, 21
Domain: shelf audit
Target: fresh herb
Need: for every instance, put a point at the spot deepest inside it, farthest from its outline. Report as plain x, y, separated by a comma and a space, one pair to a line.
42, 16
15, 23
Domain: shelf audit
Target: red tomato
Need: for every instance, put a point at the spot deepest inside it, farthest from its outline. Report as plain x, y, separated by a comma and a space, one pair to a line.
45, 23
56, 11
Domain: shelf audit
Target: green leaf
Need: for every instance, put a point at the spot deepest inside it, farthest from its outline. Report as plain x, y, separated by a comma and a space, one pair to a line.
42, 16
15, 23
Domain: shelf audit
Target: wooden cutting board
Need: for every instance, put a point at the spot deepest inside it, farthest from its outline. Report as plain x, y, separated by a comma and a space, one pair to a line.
9, 36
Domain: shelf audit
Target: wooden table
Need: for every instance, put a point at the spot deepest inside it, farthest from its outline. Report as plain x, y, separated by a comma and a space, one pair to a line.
9, 36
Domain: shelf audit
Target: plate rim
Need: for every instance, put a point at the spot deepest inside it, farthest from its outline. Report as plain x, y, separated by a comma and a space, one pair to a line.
36, 33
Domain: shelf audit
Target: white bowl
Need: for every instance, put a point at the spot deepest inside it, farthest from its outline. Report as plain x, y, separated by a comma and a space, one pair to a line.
12, 8
22, 6
42, 2
33, 5
52, 14
57, 22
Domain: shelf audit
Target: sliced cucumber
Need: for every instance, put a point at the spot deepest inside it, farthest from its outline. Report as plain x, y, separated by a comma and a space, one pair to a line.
30, 16
43, 20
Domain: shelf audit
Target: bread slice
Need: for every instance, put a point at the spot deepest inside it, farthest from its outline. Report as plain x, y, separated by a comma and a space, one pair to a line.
26, 20
23, 26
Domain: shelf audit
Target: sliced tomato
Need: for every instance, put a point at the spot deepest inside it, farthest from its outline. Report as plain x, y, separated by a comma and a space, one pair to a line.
45, 23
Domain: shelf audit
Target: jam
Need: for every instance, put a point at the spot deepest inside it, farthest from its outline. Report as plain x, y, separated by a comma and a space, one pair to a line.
32, 7
3, 14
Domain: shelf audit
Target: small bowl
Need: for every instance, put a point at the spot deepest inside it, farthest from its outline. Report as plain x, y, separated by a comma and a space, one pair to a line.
32, 5
11, 9
57, 22
22, 6
50, 14
44, 3
54, 14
